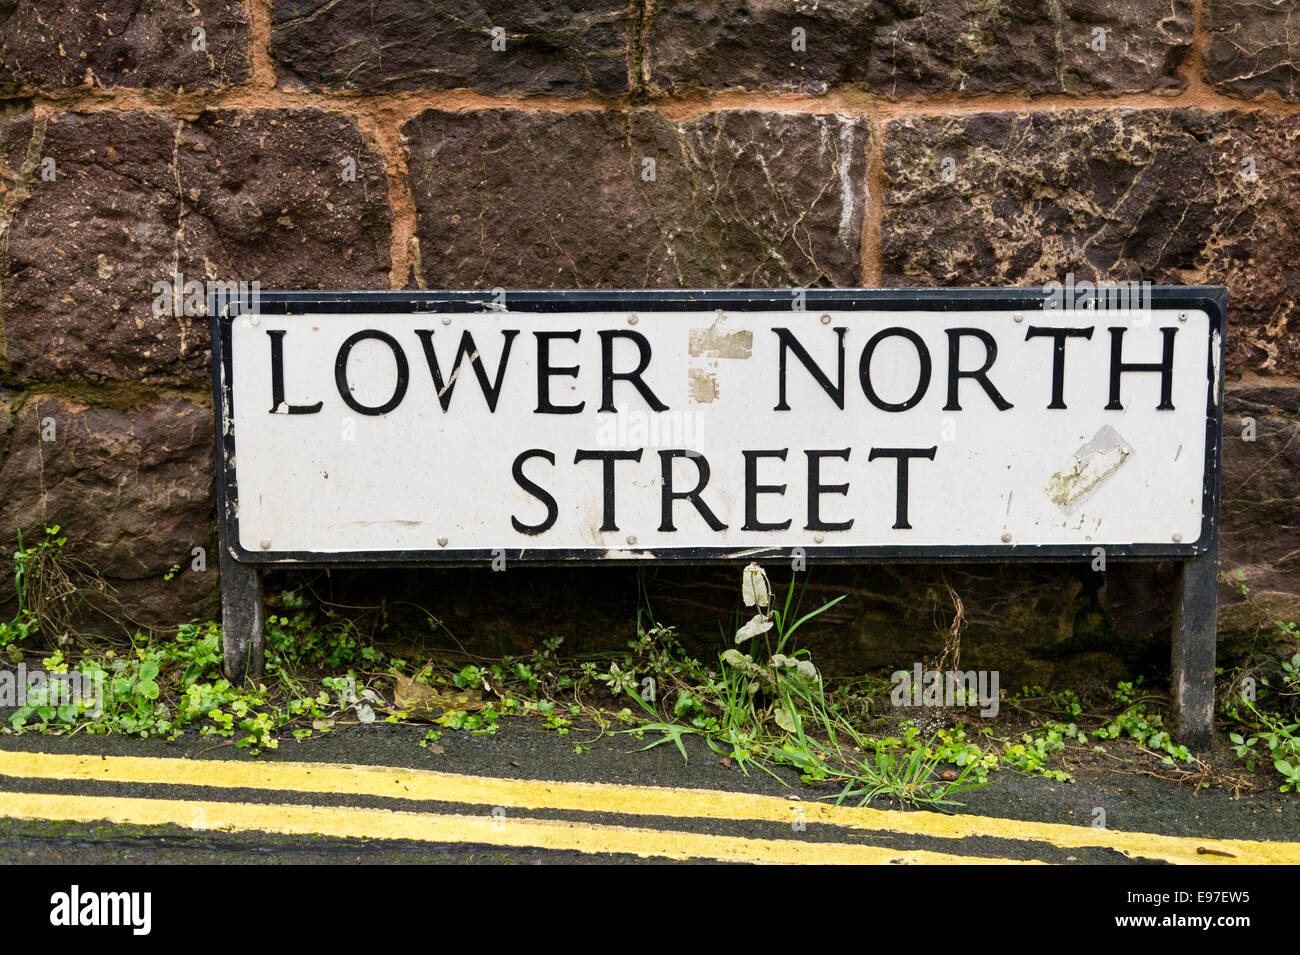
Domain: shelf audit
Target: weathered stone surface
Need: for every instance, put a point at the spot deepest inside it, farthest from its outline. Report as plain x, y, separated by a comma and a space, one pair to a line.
53, 44
591, 609
1261, 495
1049, 624
1254, 46
902, 48
1178, 196
1045, 624
131, 488
566, 48
734, 198
138, 196
15, 139
6, 421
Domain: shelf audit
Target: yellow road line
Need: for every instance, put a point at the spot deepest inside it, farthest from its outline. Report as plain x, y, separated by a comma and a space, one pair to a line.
607, 798
351, 822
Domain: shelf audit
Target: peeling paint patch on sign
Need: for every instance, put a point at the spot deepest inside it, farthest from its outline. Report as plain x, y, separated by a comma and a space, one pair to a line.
704, 386
715, 342
1092, 464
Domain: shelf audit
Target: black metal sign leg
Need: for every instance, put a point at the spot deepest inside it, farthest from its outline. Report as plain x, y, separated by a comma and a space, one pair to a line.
243, 619
1195, 636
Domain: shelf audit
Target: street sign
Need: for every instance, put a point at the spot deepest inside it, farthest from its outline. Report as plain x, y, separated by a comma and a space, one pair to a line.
483, 428
575, 426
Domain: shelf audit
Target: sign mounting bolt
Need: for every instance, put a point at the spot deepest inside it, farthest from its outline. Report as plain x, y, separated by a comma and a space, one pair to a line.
632, 319
265, 545
1178, 538
446, 321
1006, 537
819, 538
1182, 316
1018, 317
254, 320
442, 542
631, 538
826, 319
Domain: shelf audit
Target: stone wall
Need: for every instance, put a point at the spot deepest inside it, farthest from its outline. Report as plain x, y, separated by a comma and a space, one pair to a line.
502, 142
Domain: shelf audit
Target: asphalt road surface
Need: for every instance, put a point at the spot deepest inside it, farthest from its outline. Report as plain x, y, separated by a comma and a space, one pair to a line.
371, 794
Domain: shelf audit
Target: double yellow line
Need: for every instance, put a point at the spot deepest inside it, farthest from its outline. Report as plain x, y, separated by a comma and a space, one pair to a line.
506, 796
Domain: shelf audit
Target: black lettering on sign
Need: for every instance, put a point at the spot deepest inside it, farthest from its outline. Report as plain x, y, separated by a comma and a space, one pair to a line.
277, 378
1165, 366
545, 372
668, 496
1058, 336
609, 522
787, 342
923, 376
341, 372
444, 389
552, 509
980, 374
903, 455
816, 489
753, 489
609, 376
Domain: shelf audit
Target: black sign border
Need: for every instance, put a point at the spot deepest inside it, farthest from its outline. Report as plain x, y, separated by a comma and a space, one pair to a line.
225, 306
